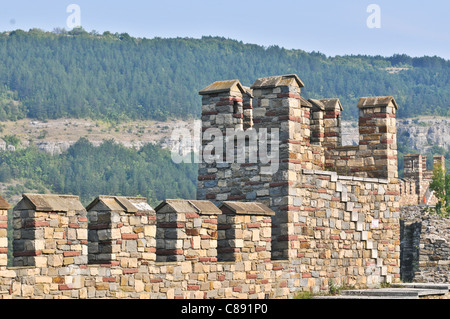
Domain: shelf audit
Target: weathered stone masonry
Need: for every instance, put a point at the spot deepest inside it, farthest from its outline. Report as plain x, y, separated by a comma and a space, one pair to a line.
50, 232
121, 231
337, 210
425, 246
415, 186
120, 257
328, 215
4, 206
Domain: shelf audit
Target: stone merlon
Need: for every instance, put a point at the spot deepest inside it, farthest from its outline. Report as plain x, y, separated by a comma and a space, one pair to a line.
380, 101
49, 203
120, 203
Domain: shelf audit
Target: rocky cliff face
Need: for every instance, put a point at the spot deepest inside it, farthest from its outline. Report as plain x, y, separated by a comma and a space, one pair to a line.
56, 136
420, 134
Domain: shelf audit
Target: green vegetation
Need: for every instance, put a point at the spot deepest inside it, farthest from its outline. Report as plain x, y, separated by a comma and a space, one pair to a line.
304, 295
12, 140
115, 77
403, 149
333, 290
441, 187
109, 169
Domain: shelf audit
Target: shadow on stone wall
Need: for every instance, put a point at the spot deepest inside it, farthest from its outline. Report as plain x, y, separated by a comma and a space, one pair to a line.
425, 246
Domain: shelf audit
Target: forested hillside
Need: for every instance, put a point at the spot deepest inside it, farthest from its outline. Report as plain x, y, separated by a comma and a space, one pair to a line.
114, 77
88, 171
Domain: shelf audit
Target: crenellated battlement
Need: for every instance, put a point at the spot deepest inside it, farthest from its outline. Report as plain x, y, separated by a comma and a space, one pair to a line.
4, 206
376, 154
121, 231
186, 230
415, 185
287, 208
130, 250
316, 177
49, 231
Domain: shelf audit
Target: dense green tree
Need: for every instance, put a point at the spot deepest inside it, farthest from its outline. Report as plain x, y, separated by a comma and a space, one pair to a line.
117, 77
109, 169
441, 187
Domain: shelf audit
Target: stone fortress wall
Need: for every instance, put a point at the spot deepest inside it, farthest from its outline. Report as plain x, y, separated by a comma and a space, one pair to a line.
129, 250
425, 246
336, 208
414, 187
328, 215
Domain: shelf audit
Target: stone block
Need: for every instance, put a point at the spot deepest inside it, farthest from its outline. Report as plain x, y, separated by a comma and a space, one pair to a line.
350, 206
365, 235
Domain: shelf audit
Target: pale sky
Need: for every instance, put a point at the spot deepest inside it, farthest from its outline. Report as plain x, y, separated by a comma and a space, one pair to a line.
416, 28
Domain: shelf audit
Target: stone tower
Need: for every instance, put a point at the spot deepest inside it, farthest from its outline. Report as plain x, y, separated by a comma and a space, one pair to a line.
327, 218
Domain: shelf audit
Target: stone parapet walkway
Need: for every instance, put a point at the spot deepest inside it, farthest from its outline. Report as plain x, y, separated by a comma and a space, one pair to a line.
397, 291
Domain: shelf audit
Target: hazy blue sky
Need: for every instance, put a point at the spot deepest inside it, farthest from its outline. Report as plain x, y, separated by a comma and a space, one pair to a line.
334, 27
